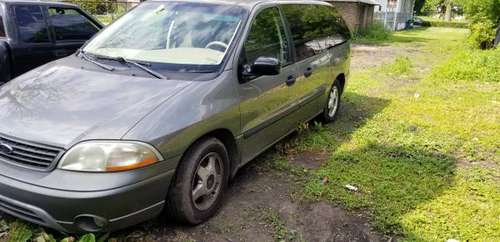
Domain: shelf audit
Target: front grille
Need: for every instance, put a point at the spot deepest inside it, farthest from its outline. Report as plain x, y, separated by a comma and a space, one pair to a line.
28, 154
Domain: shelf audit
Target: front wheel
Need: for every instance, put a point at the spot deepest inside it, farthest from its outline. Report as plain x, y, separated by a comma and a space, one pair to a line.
333, 104
201, 180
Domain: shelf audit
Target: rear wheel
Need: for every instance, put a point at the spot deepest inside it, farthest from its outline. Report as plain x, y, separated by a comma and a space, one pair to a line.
333, 104
201, 180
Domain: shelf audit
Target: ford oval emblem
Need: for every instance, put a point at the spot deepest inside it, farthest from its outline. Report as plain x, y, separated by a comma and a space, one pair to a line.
6, 149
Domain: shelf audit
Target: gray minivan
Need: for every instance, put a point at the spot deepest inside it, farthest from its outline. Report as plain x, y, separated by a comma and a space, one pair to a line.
160, 110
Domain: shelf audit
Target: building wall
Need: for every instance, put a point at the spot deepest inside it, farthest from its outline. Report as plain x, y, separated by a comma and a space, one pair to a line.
394, 14
349, 12
357, 15
400, 6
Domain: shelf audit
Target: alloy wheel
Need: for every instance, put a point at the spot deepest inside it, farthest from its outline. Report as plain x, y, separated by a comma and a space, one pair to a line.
333, 102
207, 181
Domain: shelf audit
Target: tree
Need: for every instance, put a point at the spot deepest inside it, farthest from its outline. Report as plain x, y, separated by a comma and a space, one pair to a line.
419, 6
481, 10
97, 6
441, 6
484, 16
449, 7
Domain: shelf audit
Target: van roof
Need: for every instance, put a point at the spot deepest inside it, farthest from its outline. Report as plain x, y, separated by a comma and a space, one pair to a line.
243, 3
251, 3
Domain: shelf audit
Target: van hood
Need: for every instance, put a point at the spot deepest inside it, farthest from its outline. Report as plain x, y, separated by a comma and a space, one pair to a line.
61, 105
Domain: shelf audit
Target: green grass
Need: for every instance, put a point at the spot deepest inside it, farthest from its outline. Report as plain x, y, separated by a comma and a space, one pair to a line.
436, 22
467, 65
401, 66
420, 137
374, 33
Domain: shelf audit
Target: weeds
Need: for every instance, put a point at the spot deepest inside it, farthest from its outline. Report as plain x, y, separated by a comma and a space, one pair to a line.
375, 32
281, 232
401, 66
470, 65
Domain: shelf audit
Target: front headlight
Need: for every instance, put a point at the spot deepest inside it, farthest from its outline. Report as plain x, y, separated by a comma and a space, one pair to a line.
109, 156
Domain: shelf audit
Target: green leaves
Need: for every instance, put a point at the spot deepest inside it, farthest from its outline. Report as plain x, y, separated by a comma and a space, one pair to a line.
87, 238
19, 232
44, 237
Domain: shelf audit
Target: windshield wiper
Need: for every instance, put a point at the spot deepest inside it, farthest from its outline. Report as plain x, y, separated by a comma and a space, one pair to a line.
103, 66
136, 64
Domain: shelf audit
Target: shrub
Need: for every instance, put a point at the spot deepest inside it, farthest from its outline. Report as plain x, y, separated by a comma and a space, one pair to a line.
470, 65
374, 32
484, 15
482, 35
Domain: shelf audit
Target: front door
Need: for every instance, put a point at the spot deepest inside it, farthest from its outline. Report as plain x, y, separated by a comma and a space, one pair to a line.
265, 100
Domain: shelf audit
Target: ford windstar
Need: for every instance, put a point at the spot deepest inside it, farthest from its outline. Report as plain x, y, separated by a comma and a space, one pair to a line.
159, 110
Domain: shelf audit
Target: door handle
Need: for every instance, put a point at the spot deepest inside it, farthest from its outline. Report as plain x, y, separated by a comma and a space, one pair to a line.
308, 72
291, 80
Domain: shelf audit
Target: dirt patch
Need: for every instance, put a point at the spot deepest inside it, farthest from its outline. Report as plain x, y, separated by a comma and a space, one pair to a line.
253, 198
368, 56
324, 222
309, 159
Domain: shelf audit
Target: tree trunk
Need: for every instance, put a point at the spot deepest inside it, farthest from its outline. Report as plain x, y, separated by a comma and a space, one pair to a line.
449, 8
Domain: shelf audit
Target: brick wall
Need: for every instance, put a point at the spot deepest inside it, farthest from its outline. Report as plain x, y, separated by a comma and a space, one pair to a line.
357, 15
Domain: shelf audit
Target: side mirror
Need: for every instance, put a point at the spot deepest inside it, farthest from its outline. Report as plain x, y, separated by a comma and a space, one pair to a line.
264, 66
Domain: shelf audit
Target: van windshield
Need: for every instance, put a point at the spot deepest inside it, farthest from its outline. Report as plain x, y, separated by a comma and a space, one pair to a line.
177, 33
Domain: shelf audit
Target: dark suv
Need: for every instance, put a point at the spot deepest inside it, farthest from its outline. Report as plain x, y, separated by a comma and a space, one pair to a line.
163, 107
33, 33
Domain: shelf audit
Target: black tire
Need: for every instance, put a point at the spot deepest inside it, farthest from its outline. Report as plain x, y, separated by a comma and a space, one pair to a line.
180, 204
327, 112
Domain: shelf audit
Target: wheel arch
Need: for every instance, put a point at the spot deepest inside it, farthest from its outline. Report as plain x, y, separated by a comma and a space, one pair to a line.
342, 81
229, 140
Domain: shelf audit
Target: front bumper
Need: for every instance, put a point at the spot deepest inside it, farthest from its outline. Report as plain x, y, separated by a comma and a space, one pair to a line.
77, 211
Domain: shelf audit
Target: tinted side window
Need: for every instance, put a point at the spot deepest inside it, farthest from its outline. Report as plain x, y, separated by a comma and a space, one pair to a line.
314, 28
267, 38
300, 18
334, 31
31, 24
69, 24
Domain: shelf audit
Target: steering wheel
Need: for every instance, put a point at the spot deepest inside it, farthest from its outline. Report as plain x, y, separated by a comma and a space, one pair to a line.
215, 43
